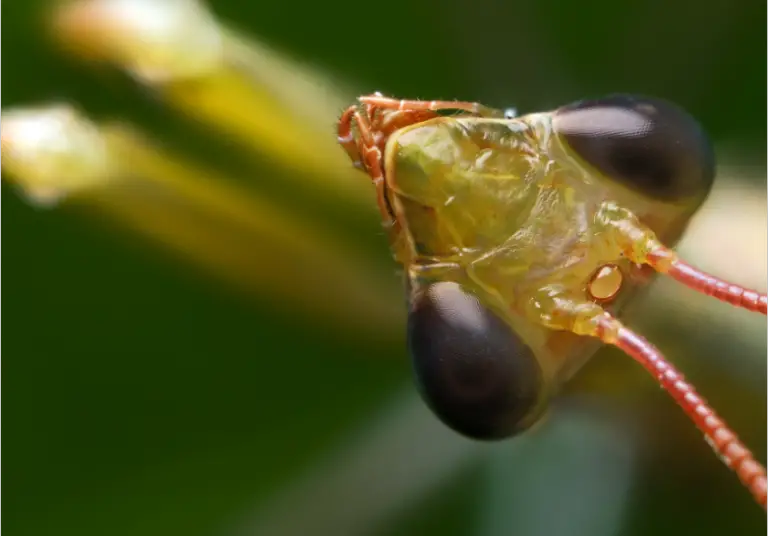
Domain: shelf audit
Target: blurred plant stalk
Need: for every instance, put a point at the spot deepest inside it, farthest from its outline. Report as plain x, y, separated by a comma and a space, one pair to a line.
54, 153
267, 103
286, 111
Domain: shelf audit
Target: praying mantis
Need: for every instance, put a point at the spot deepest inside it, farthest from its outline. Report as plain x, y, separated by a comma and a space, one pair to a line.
522, 238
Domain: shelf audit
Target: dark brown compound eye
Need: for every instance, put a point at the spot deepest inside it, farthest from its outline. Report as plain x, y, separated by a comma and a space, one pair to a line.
649, 145
473, 371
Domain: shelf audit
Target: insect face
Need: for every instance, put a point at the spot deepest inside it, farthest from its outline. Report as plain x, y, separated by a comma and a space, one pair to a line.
522, 238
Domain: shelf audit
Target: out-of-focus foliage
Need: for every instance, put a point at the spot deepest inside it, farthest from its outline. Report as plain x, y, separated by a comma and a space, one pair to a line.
213, 344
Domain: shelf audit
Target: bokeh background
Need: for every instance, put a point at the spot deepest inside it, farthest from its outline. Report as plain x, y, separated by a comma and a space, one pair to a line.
215, 346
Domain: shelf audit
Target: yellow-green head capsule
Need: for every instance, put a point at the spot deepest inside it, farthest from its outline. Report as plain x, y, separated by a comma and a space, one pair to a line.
523, 237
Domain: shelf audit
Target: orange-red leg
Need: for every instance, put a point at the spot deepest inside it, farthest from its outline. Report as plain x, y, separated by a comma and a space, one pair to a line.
372, 159
473, 108
346, 137
365, 153
367, 147
397, 120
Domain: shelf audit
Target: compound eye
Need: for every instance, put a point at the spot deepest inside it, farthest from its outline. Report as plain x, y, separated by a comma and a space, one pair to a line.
649, 145
473, 370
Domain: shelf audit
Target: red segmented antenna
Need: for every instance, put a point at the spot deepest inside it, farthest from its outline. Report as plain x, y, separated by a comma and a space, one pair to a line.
721, 438
665, 261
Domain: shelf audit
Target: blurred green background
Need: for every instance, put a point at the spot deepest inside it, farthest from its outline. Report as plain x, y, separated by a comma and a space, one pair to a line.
144, 397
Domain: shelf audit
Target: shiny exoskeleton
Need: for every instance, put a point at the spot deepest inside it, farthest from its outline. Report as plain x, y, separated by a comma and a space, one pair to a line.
501, 224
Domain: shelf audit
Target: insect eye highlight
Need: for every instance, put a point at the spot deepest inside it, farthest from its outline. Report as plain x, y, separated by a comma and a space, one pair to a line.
649, 145
472, 369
